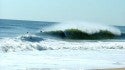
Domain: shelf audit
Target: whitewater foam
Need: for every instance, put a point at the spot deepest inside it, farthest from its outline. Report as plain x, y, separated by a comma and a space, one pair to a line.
15, 44
83, 26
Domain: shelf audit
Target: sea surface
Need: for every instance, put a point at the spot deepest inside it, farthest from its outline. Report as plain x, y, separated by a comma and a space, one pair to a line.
23, 47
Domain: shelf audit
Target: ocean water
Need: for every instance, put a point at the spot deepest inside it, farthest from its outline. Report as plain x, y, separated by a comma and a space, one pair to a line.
23, 46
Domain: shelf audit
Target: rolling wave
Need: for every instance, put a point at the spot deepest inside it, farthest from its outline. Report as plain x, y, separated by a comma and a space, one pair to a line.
82, 30
87, 27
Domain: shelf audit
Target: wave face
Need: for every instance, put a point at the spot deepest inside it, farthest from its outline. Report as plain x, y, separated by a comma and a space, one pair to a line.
29, 36
78, 34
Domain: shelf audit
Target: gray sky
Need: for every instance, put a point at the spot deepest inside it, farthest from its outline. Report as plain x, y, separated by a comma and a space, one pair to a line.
101, 11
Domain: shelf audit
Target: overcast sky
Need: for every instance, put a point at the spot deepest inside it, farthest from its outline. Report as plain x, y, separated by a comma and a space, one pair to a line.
102, 11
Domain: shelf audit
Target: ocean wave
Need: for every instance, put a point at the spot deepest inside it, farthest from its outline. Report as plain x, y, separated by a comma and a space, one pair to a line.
40, 41
87, 27
16, 44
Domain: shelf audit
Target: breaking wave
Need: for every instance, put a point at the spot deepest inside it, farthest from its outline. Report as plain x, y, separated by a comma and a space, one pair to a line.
78, 34
87, 27
82, 30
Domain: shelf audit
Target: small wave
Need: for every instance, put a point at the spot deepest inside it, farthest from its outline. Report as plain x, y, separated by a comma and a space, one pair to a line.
31, 38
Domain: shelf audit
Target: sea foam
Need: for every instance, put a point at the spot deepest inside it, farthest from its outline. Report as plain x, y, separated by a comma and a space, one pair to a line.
16, 44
